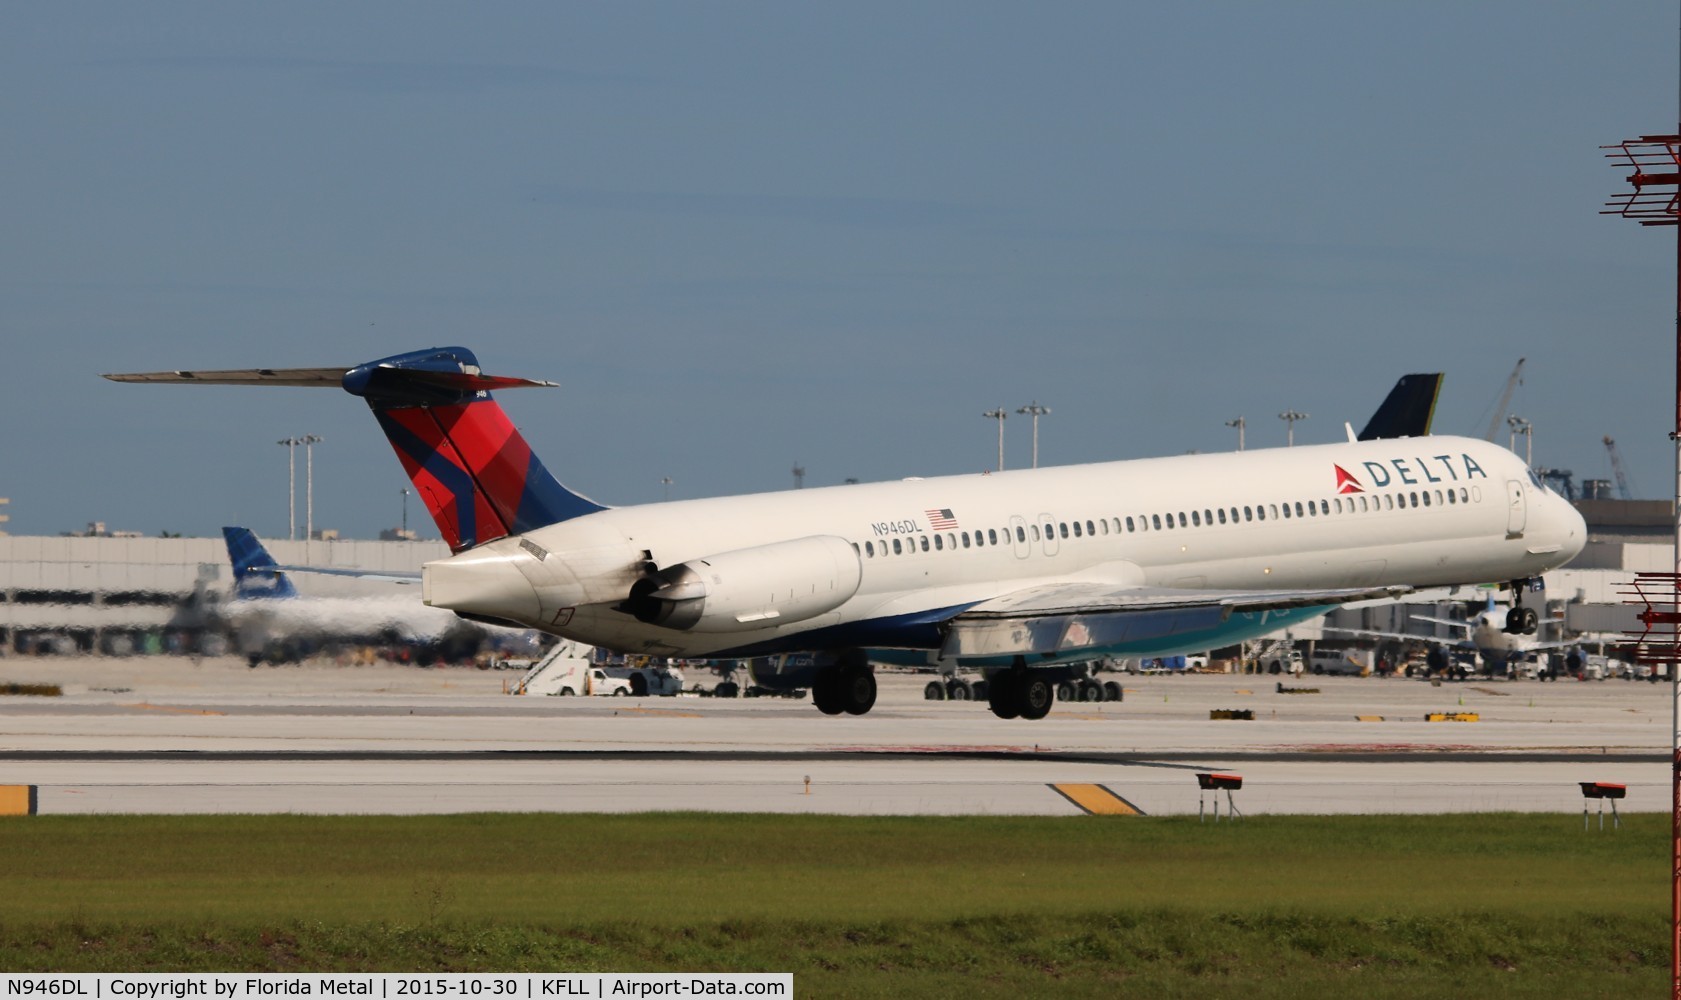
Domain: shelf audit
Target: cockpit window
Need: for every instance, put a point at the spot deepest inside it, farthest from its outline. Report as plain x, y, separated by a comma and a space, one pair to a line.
1536, 480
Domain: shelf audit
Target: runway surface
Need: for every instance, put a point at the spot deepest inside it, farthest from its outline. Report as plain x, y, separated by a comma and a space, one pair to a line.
167, 735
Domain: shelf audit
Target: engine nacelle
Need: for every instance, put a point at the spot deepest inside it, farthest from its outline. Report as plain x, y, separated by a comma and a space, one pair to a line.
746, 589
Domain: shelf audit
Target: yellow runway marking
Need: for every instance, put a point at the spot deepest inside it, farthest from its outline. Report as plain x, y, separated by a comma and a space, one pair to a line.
1097, 800
17, 800
1368, 718
172, 708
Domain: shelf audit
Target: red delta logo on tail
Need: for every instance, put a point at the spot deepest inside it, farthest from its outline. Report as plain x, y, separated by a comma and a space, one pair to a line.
1346, 483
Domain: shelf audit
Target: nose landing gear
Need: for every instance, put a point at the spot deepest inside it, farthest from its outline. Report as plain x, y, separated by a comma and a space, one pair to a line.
1521, 620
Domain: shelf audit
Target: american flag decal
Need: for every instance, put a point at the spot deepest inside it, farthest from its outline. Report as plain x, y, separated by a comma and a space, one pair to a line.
941, 520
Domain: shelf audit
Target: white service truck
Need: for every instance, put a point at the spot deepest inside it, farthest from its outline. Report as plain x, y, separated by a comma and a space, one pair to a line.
1346, 662
567, 670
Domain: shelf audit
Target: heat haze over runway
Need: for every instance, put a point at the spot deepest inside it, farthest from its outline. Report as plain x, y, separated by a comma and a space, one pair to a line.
166, 735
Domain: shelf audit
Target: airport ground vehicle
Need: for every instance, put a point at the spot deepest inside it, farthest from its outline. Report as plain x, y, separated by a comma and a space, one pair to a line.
567, 670
657, 679
1342, 662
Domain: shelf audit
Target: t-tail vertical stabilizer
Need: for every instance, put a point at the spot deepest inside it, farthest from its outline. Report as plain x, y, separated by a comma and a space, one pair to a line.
474, 470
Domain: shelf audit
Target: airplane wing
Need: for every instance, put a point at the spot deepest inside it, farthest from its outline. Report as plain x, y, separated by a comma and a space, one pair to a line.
1448, 622
1066, 617
387, 576
1404, 636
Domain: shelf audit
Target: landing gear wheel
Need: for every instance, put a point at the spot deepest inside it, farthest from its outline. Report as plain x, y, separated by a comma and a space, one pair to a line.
1521, 620
961, 691
1035, 696
857, 690
826, 693
1001, 696
935, 691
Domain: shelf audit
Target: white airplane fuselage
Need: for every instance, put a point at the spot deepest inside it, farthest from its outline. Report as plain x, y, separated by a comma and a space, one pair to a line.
869, 561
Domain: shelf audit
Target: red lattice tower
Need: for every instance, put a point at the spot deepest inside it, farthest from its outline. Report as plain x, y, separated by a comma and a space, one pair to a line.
1656, 201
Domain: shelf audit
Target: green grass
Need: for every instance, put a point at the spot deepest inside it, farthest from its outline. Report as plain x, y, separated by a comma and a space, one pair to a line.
1511, 905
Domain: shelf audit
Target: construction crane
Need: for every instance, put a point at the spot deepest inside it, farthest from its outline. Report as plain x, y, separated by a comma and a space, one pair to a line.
1617, 468
1512, 384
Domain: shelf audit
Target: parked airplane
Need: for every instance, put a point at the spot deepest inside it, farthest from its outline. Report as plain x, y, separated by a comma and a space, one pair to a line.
267, 613
1488, 633
1015, 573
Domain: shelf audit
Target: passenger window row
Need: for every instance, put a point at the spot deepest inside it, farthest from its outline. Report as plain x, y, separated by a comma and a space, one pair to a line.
950, 541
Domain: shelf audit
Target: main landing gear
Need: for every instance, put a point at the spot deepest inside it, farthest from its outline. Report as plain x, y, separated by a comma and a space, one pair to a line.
1020, 693
847, 686
1521, 620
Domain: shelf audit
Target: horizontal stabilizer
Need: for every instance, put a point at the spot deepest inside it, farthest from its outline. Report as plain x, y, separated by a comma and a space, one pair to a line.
1408, 409
334, 378
325, 378
478, 476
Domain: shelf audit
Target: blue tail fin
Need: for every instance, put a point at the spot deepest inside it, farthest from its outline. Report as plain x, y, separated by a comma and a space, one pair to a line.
256, 576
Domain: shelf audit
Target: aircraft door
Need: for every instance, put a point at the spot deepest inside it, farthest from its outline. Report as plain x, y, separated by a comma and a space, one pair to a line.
1047, 528
1018, 536
1515, 508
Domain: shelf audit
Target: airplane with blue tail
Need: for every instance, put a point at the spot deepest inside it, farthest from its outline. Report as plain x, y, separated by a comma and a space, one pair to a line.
1018, 574
267, 614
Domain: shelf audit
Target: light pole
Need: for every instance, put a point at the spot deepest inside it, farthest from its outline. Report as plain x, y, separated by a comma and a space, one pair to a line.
1035, 411
667, 480
405, 512
999, 415
291, 485
1290, 417
1240, 424
309, 441
1524, 427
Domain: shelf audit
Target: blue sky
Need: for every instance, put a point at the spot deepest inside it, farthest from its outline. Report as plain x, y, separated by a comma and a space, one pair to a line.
742, 235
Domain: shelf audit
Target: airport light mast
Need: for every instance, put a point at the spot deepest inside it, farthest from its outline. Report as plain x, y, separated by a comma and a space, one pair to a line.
291, 444
309, 443
1290, 417
1521, 426
1240, 424
1656, 201
999, 415
1035, 411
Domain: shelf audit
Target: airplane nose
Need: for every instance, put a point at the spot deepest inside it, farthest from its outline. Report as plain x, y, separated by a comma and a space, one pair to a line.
480, 582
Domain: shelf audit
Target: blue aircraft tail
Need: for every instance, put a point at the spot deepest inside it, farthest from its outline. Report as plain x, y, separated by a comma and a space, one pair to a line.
256, 576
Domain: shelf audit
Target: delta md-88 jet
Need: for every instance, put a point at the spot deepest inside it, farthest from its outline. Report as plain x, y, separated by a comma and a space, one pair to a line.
1018, 574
